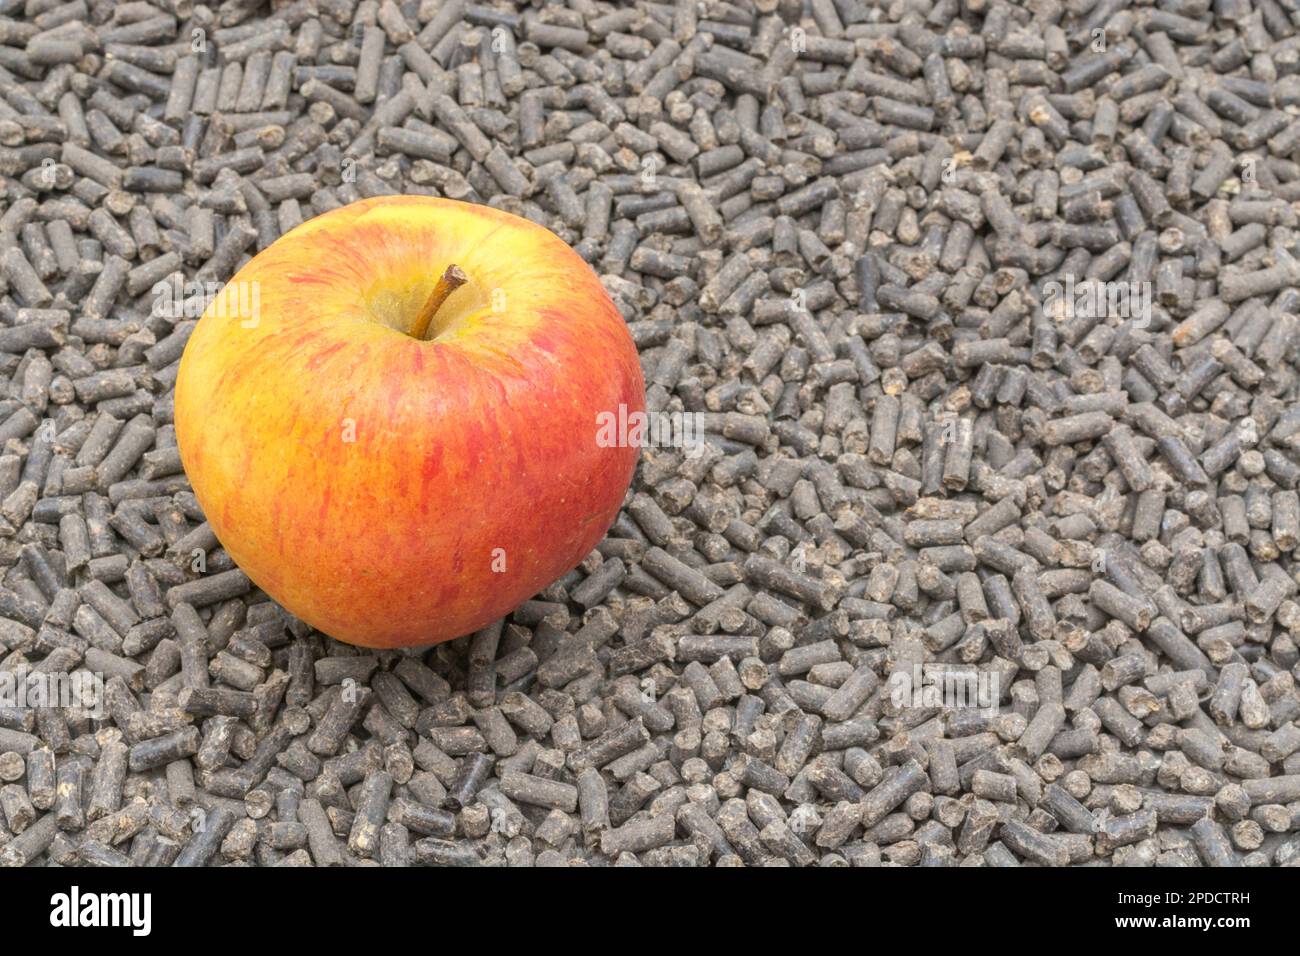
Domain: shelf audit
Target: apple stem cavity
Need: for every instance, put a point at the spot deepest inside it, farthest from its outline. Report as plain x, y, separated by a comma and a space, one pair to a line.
451, 280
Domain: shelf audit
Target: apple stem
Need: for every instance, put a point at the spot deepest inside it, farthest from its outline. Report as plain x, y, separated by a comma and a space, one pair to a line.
451, 280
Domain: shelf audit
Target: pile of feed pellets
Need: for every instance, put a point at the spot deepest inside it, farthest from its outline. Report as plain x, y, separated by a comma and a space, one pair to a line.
983, 552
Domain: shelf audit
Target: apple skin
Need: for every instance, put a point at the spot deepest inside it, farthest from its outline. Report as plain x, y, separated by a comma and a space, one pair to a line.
474, 449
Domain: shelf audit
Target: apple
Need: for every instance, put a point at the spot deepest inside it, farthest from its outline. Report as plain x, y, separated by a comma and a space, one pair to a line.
390, 417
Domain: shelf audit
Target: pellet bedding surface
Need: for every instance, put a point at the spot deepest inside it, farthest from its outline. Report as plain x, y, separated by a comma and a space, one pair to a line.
980, 316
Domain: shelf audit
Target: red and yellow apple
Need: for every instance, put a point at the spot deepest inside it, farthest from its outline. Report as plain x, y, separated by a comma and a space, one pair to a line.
391, 489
